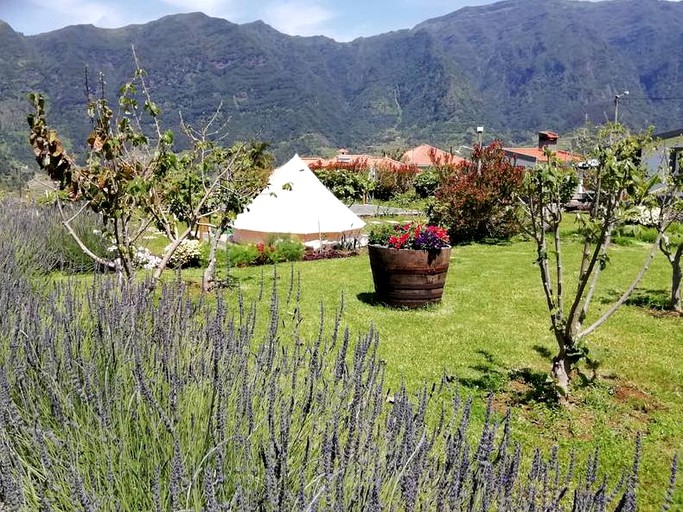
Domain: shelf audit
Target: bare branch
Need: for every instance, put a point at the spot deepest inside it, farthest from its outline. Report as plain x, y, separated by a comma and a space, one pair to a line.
81, 245
626, 293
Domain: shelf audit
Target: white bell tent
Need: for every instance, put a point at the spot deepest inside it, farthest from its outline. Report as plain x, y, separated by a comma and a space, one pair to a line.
296, 203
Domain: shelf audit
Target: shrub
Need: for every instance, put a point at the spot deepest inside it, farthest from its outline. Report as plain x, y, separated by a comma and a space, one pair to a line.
285, 249
394, 180
426, 183
276, 250
241, 255
476, 201
348, 185
222, 259
328, 253
348, 181
628, 234
187, 254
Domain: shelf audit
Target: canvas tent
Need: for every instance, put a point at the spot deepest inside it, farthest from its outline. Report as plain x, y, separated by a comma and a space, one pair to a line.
296, 203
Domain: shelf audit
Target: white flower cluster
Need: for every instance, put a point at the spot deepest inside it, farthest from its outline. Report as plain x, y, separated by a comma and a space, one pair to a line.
145, 259
645, 216
142, 258
186, 255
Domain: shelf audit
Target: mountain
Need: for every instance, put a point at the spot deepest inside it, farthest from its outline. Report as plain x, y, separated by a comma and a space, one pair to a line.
515, 67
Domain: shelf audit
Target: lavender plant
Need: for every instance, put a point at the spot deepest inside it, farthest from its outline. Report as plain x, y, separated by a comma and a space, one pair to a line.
111, 399
40, 242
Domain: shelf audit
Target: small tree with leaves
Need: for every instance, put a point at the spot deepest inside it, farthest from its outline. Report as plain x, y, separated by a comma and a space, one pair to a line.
669, 203
671, 246
618, 183
348, 181
136, 180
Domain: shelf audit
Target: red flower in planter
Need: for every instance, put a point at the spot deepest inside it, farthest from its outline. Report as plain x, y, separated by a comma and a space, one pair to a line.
412, 236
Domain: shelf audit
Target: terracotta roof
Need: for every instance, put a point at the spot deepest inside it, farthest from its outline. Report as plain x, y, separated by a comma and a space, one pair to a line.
426, 156
313, 160
369, 160
537, 155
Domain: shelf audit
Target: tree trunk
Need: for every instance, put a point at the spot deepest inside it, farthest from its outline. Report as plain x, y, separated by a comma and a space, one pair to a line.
210, 270
561, 369
676, 279
560, 372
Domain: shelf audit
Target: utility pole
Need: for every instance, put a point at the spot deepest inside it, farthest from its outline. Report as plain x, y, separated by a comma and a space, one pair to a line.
480, 134
617, 97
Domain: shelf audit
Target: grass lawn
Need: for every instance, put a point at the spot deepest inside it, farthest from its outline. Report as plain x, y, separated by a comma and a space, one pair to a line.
491, 332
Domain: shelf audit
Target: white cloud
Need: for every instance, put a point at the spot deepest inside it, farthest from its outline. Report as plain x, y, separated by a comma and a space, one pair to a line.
298, 18
78, 11
237, 11
205, 6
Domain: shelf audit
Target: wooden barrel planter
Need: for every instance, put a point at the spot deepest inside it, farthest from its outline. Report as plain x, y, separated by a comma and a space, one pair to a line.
409, 278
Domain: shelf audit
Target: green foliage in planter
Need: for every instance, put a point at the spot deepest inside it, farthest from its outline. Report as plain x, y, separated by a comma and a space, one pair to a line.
379, 235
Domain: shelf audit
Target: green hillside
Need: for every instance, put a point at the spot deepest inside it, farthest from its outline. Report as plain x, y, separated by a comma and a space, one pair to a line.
514, 67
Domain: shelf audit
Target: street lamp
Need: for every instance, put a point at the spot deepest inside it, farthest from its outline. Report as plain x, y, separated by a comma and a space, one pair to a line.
480, 135
617, 97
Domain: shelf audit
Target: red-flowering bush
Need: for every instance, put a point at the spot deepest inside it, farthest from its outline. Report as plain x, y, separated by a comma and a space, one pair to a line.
476, 199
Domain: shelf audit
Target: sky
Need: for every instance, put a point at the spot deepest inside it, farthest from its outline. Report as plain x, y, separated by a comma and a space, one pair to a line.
343, 20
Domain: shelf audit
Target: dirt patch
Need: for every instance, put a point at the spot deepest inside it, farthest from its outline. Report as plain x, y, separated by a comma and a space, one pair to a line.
640, 400
626, 392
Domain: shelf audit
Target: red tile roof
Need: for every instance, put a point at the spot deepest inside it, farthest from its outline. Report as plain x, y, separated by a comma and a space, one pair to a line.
427, 156
537, 154
363, 160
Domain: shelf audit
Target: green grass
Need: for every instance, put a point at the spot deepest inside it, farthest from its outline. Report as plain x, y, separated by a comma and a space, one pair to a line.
492, 333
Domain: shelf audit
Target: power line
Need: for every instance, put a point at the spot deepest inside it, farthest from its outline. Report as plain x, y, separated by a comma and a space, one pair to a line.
645, 98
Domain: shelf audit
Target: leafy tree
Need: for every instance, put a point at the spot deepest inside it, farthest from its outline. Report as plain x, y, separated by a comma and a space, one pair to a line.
426, 183
133, 179
672, 248
669, 201
617, 183
348, 181
476, 198
392, 180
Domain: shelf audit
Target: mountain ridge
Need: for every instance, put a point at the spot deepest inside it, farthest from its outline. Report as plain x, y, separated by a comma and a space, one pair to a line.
515, 67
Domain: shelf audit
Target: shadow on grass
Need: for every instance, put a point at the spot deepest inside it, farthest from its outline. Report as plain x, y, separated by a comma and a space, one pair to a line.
518, 386
493, 376
651, 299
531, 386
369, 298
543, 352
584, 380
525, 386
